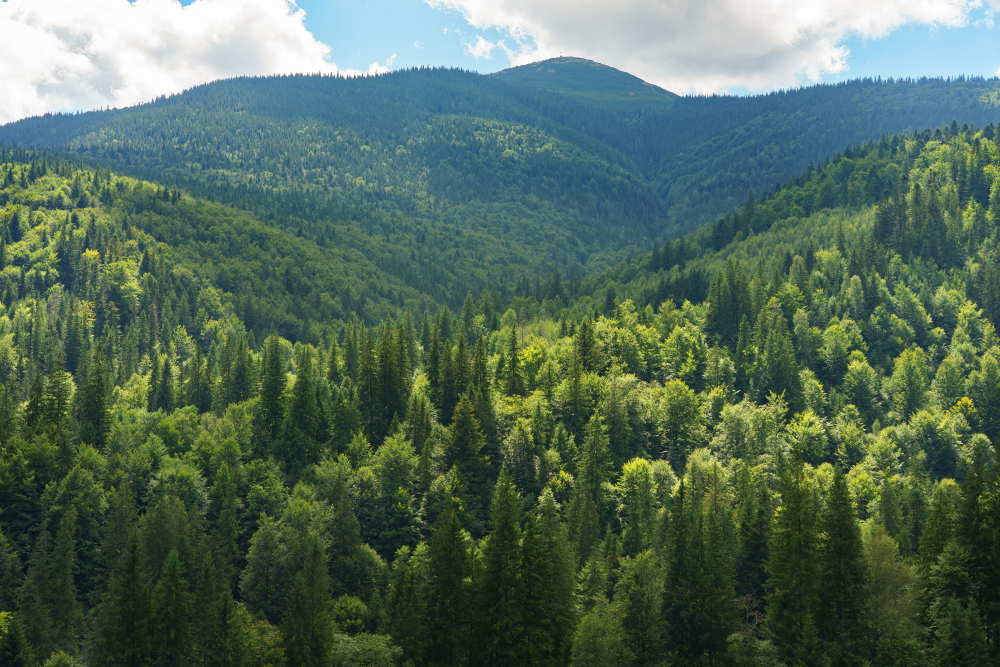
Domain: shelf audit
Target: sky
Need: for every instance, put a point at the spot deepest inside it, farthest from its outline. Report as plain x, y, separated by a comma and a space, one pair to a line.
66, 55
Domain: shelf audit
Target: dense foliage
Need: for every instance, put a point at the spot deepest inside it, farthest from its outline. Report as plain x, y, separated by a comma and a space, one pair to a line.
449, 181
799, 469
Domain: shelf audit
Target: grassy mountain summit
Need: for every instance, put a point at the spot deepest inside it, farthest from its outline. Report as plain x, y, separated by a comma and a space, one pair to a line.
591, 83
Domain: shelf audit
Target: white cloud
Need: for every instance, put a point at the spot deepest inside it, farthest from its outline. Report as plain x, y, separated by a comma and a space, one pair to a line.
83, 54
704, 46
481, 49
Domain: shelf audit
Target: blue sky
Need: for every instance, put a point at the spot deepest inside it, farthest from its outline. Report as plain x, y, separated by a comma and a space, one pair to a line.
90, 54
359, 33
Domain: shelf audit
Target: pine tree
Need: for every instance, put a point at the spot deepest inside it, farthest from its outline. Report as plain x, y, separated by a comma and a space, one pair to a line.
308, 625
300, 429
263, 585
370, 396
406, 608
753, 518
585, 345
463, 450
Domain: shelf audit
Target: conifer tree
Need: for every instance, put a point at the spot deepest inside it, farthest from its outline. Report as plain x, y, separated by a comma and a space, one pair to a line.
842, 572
585, 345
513, 384
300, 429
448, 604
33, 608
588, 497
94, 410
226, 528
794, 566
537, 608
15, 650
503, 587
272, 390
124, 614
263, 582
171, 605
562, 598
370, 396
308, 625
680, 586
775, 370
65, 609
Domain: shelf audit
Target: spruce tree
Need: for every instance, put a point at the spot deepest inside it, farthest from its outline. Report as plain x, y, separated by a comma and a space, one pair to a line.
172, 605
794, 566
33, 607
588, 495
842, 570
272, 391
537, 608
15, 650
448, 604
65, 609
94, 420
562, 599
503, 587
124, 615
226, 526
513, 384
308, 625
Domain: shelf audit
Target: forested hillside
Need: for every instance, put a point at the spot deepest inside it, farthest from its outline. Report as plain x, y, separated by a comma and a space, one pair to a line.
450, 181
792, 464
591, 83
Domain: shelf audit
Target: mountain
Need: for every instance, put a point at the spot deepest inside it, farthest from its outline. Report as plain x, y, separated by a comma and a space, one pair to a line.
590, 83
447, 181
784, 420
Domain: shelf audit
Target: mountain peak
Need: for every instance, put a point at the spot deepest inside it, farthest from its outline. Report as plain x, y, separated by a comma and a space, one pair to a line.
590, 82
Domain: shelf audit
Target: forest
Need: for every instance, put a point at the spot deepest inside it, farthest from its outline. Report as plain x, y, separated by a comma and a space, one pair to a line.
770, 442
450, 181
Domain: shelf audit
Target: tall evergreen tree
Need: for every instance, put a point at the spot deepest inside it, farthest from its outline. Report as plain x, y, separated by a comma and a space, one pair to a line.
172, 606
842, 571
65, 608
503, 587
308, 625
794, 566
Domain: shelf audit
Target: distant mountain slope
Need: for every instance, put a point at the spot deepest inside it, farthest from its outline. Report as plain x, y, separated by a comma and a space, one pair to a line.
590, 83
450, 181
